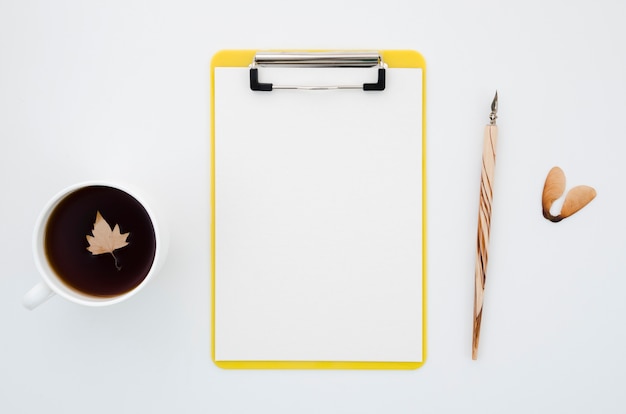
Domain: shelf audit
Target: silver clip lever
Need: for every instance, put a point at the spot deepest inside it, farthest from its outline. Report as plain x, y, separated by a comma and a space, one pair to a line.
318, 60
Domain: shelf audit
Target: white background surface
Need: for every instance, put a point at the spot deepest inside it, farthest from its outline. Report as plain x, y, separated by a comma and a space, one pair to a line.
120, 90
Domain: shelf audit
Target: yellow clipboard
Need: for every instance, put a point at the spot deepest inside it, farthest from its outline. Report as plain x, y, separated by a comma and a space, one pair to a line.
318, 210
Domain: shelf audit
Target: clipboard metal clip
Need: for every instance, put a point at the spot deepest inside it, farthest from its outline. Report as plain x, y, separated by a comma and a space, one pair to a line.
318, 60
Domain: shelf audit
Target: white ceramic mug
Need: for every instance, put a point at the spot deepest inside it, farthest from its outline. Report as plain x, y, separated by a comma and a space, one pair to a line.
52, 283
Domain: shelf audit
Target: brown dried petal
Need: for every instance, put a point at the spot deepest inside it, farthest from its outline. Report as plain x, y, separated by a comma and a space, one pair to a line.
552, 190
577, 198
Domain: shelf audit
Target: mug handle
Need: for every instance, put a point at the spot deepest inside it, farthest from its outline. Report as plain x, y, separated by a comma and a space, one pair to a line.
39, 293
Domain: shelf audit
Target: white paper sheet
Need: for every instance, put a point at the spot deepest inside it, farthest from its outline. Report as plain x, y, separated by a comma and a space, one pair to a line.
318, 204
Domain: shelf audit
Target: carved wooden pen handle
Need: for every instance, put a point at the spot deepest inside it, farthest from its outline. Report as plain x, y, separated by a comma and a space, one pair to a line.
484, 221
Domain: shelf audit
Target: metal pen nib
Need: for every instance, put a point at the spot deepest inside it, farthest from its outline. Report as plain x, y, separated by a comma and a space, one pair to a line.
494, 110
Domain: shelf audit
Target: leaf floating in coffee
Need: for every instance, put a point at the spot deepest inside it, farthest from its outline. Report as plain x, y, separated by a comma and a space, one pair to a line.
104, 239
577, 198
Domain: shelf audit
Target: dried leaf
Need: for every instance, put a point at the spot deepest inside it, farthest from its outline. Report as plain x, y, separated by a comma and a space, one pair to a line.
577, 198
552, 190
105, 240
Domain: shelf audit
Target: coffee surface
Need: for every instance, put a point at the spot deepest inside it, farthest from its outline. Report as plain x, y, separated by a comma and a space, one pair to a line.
66, 242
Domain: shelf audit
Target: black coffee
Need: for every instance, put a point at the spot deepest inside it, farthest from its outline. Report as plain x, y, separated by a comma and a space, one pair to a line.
108, 273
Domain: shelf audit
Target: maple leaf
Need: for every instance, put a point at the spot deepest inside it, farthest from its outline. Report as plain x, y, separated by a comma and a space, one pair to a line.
104, 239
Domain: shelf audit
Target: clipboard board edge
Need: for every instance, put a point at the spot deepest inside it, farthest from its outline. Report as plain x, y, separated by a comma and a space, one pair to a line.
393, 58
308, 365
